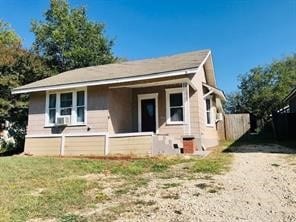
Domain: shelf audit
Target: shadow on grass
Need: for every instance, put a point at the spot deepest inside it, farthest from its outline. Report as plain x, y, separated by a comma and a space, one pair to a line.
262, 142
10, 152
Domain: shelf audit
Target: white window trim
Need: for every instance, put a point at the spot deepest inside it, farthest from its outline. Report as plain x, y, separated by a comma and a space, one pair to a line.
143, 97
185, 106
212, 124
74, 106
85, 107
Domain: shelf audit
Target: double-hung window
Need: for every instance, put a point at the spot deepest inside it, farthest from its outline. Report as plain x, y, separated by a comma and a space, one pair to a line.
209, 112
175, 106
66, 104
70, 103
52, 102
80, 107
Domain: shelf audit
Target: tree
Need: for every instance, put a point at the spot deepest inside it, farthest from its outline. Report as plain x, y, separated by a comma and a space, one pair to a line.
263, 88
9, 43
234, 103
68, 40
17, 67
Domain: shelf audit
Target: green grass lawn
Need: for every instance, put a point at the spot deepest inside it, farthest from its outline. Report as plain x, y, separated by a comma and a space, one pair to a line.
44, 187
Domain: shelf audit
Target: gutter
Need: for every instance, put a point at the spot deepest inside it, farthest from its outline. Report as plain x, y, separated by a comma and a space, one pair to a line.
106, 82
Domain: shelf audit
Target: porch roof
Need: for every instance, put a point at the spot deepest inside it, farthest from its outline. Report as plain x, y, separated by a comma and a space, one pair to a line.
214, 90
180, 64
159, 82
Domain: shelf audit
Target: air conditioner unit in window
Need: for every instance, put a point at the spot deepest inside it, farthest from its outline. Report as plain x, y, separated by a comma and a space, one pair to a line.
63, 120
219, 117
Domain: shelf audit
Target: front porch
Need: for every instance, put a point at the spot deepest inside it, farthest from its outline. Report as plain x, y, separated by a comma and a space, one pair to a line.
162, 107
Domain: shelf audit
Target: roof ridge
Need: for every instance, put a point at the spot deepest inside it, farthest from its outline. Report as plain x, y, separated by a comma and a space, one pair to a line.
129, 62
166, 56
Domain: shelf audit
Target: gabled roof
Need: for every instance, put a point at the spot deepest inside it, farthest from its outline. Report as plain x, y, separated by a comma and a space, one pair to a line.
179, 64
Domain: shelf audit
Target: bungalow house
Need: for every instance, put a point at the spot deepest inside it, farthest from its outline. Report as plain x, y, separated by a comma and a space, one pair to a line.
144, 107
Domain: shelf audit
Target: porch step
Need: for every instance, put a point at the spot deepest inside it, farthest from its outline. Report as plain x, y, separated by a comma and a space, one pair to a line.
164, 144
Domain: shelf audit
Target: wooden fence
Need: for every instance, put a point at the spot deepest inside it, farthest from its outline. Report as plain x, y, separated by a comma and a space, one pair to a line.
236, 125
284, 125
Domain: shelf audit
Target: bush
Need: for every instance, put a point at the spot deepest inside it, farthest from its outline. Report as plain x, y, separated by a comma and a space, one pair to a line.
7, 144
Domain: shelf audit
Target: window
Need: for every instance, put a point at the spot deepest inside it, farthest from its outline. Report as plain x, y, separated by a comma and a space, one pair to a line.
80, 107
66, 104
52, 108
208, 104
175, 106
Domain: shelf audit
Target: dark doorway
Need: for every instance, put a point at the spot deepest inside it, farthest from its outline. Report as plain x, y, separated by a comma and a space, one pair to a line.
148, 119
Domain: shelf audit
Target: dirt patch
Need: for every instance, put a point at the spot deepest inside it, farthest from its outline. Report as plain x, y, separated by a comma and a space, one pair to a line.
253, 190
98, 177
37, 192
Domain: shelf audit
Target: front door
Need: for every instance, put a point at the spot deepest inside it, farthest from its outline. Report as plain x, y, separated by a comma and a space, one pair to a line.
148, 115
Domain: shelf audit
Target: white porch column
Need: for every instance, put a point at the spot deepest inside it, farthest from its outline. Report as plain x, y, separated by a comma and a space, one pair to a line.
187, 126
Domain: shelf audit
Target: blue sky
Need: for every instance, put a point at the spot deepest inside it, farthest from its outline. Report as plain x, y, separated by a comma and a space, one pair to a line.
241, 33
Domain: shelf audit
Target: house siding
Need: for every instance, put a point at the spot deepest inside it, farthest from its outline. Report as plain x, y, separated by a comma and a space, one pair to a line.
43, 146
120, 110
84, 146
73, 146
97, 114
208, 135
139, 145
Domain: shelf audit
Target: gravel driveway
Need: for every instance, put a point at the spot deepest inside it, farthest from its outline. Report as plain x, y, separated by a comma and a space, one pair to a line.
261, 186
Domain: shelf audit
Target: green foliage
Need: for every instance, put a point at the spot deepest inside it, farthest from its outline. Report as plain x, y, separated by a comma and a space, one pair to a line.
25, 68
65, 40
9, 43
208, 166
262, 89
68, 40
6, 145
8, 37
159, 167
17, 67
234, 104
128, 169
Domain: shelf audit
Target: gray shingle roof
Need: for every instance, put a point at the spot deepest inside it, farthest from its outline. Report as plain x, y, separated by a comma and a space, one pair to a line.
122, 70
